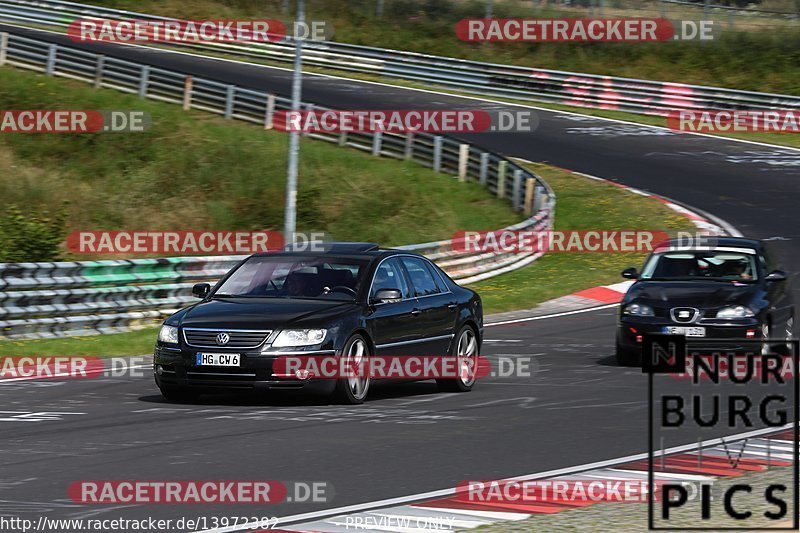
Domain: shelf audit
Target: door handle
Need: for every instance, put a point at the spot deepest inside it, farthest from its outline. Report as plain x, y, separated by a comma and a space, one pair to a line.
452, 306
416, 312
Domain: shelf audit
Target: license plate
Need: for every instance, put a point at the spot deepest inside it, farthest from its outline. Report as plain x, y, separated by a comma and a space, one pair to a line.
218, 359
683, 330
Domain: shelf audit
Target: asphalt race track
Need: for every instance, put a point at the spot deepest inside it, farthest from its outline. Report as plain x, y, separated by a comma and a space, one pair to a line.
577, 407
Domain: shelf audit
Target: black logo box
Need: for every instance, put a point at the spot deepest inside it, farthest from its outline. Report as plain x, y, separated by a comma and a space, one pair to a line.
677, 347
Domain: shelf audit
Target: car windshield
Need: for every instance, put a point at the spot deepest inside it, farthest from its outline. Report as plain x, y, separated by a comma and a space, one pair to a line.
331, 278
706, 265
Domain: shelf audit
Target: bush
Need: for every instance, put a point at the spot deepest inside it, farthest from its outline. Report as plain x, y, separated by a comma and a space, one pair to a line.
26, 238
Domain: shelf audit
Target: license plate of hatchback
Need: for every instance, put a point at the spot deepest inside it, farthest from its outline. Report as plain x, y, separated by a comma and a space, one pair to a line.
218, 359
683, 330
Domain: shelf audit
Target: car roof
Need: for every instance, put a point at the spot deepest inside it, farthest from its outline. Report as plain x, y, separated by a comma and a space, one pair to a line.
730, 242
349, 250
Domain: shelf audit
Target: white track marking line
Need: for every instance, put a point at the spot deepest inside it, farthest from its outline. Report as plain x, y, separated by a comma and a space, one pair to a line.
553, 315
431, 91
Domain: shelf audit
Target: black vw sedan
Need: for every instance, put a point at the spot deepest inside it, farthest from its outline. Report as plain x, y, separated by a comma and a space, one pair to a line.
351, 300
730, 290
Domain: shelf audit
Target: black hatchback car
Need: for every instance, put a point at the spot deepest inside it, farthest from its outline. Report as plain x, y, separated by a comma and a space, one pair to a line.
352, 300
730, 290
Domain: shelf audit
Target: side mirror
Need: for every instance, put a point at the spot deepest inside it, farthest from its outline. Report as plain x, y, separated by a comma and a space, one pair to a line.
777, 275
630, 273
388, 296
201, 290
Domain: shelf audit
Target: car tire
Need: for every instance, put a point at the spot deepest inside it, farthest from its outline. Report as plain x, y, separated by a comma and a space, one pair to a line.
466, 348
353, 390
627, 357
178, 394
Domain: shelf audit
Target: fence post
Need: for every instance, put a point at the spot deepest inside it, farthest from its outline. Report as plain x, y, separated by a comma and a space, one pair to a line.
270, 115
188, 83
100, 66
530, 190
484, 171
463, 162
343, 138
229, 96
437, 153
51, 59
3, 48
539, 198
143, 81
377, 139
501, 179
516, 194
408, 152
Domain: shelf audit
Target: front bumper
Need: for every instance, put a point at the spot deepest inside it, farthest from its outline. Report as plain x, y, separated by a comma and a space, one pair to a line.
631, 330
176, 367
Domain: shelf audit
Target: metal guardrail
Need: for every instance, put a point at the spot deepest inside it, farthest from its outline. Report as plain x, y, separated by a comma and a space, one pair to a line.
489, 79
56, 299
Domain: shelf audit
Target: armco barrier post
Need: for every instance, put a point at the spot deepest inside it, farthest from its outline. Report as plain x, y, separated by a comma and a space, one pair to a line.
52, 50
229, 96
377, 140
437, 153
188, 83
501, 179
530, 191
270, 114
540, 198
99, 68
143, 81
408, 152
483, 175
343, 138
3, 48
463, 161
516, 193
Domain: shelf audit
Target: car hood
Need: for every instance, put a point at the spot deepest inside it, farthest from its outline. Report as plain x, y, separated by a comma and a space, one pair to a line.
700, 294
262, 313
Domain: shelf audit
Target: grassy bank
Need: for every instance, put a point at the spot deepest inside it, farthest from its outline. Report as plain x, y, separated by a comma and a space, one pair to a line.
748, 56
582, 204
194, 171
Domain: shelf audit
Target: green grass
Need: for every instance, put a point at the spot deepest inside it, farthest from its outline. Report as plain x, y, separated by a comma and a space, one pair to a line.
582, 204
761, 60
139, 342
194, 171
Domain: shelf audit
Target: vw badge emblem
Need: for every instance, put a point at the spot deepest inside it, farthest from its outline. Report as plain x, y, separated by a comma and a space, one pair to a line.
223, 339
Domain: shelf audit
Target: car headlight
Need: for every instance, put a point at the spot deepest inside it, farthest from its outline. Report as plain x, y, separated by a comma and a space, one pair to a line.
638, 310
168, 334
735, 311
299, 337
